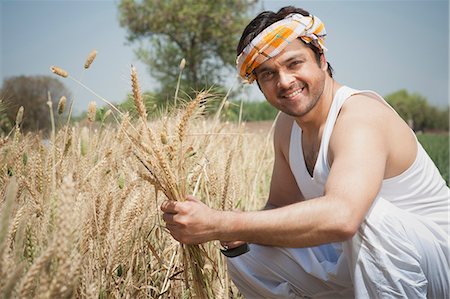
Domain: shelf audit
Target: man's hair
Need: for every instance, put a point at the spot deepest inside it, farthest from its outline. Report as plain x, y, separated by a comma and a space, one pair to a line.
267, 18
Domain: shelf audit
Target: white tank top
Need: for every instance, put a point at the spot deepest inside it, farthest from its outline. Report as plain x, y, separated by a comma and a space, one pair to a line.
420, 189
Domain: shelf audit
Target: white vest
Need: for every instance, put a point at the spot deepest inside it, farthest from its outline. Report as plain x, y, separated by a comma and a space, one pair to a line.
420, 189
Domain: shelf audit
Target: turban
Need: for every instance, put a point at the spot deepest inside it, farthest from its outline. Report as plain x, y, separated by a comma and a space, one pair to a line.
272, 40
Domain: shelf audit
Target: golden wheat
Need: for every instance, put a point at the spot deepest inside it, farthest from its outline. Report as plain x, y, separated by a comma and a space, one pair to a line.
137, 96
59, 71
90, 59
19, 116
92, 108
83, 219
61, 105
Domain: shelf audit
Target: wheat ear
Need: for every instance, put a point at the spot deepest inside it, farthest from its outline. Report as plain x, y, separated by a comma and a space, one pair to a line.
59, 71
90, 59
188, 113
61, 105
137, 96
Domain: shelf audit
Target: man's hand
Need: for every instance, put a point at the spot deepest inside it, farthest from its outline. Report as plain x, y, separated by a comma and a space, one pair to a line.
191, 221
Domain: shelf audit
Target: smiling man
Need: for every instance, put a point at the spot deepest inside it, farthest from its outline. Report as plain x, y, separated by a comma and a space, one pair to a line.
356, 207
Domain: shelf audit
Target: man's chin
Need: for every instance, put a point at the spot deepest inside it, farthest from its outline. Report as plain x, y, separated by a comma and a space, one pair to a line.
294, 113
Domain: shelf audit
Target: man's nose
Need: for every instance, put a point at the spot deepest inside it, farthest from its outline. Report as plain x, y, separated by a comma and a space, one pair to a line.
285, 79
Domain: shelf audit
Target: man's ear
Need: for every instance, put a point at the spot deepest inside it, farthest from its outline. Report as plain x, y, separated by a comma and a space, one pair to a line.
259, 86
260, 89
323, 62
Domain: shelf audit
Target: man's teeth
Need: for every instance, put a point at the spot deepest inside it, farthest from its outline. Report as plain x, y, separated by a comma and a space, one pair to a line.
293, 94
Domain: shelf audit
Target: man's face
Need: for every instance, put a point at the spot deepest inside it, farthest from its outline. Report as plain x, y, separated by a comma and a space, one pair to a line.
292, 81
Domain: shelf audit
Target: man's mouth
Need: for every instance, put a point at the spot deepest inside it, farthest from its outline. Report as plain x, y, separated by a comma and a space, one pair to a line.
292, 94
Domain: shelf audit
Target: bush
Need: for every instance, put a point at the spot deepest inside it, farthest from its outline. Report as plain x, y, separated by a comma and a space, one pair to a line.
416, 111
251, 111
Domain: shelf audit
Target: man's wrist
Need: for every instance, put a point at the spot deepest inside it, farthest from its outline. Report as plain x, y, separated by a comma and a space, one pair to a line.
226, 225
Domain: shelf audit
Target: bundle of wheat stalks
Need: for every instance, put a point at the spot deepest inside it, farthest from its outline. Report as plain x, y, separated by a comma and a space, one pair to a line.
79, 213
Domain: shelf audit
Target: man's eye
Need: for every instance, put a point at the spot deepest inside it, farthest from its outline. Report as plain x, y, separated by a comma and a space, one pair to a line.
295, 63
267, 75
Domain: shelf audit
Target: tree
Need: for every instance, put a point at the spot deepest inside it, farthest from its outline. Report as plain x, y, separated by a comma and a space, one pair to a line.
31, 92
437, 119
5, 123
203, 32
416, 111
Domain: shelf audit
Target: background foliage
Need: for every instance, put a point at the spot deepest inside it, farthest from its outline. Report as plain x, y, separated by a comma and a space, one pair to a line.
415, 110
437, 146
201, 31
31, 92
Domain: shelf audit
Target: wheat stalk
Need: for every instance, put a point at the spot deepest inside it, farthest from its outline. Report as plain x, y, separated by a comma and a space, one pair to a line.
105, 238
181, 67
173, 186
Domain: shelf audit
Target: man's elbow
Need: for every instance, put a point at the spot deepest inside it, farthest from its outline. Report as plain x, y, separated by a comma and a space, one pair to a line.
347, 226
344, 218
347, 231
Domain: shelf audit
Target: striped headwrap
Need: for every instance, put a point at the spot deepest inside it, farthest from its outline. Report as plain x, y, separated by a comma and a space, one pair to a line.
272, 40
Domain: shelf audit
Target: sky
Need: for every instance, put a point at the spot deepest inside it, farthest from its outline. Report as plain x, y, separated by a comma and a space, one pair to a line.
379, 45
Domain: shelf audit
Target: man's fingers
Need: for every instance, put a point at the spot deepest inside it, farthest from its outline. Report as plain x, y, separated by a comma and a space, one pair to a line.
169, 206
191, 198
168, 218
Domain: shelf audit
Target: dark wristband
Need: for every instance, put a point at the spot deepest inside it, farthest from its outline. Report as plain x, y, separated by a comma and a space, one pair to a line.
237, 251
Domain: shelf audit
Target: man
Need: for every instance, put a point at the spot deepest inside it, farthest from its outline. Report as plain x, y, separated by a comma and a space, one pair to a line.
356, 207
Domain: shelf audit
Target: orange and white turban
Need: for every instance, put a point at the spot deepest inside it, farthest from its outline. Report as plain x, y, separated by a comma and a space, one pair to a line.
272, 40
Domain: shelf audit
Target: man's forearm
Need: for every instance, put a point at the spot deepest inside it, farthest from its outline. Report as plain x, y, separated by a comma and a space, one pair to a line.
302, 224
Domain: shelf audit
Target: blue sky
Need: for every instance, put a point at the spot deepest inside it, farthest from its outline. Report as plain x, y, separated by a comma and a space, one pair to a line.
380, 45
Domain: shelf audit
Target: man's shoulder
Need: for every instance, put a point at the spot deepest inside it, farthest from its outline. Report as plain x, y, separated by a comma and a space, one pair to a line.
283, 124
366, 123
364, 111
282, 133
363, 119
360, 115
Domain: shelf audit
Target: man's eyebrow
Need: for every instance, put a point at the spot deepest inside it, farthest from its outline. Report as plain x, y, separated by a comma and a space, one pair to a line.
261, 69
293, 57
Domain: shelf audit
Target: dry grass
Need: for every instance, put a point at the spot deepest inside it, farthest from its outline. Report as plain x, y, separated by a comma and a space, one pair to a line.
80, 212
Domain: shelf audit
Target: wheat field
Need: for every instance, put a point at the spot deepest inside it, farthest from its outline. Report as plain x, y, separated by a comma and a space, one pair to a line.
80, 211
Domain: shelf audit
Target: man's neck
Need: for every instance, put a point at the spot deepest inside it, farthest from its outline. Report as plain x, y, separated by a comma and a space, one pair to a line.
314, 120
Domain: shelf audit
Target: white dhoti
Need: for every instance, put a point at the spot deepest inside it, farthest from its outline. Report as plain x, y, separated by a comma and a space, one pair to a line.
395, 254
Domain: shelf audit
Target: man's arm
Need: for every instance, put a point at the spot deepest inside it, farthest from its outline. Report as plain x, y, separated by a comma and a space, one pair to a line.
283, 191
359, 155
283, 187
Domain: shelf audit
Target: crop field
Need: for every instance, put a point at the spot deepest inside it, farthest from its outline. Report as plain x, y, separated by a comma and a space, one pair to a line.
79, 213
437, 146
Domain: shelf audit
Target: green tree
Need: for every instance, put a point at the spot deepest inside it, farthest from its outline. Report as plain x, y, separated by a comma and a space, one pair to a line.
437, 119
203, 32
31, 92
415, 110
